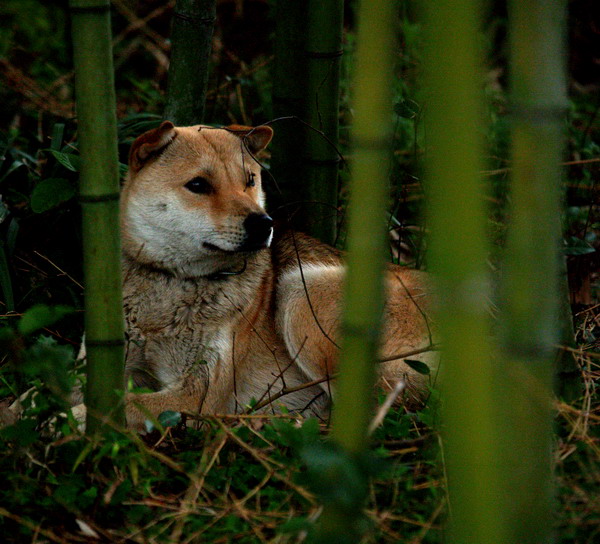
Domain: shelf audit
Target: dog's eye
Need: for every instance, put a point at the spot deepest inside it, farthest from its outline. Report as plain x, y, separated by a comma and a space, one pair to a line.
250, 182
200, 186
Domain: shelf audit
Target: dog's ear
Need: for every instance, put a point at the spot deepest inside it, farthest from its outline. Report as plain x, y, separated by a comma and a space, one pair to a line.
150, 144
256, 138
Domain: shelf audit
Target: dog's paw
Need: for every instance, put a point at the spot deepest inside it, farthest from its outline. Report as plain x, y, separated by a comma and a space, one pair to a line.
7, 415
79, 413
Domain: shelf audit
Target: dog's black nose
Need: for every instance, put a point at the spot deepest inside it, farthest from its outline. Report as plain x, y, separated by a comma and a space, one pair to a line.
258, 230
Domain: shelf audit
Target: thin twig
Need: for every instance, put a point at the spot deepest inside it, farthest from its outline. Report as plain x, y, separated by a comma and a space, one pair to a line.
59, 269
386, 406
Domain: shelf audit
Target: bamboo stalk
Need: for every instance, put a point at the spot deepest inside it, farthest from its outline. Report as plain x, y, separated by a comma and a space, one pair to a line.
289, 68
99, 194
363, 302
457, 258
323, 51
191, 38
531, 318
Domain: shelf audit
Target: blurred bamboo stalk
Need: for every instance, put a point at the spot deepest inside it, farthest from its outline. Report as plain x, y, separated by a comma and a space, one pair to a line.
531, 323
363, 302
323, 51
457, 258
99, 195
191, 39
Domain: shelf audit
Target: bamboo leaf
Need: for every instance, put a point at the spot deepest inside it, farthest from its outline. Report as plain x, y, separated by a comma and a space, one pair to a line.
15, 164
3, 211
575, 246
169, 418
41, 316
133, 125
51, 192
68, 160
82, 455
5, 280
57, 136
11, 235
418, 366
408, 109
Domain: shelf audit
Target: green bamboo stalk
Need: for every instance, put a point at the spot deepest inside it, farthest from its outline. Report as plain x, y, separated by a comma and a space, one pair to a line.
191, 38
321, 161
531, 321
457, 258
363, 302
99, 194
289, 70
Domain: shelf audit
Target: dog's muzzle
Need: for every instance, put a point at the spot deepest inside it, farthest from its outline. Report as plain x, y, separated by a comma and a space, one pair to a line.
259, 227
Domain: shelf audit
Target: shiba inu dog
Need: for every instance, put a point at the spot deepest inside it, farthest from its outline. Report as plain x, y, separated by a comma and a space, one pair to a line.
222, 312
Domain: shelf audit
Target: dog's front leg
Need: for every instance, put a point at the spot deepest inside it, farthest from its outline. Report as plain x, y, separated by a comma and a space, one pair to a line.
220, 393
186, 396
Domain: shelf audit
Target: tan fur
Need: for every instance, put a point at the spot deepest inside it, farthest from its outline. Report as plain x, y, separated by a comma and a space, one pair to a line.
208, 342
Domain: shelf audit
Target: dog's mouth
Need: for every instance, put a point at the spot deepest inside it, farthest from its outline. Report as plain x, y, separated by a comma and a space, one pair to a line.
258, 233
213, 247
246, 247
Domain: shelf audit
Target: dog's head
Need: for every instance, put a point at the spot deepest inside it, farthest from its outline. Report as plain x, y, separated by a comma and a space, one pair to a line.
193, 198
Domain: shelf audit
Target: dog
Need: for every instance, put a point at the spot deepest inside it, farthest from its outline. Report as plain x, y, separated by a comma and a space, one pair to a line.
224, 315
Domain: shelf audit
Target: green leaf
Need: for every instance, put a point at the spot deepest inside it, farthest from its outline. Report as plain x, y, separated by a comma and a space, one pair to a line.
41, 316
297, 437
49, 360
58, 131
579, 250
169, 418
68, 160
22, 432
15, 164
51, 192
295, 525
7, 290
418, 366
577, 246
408, 109
82, 455
4, 212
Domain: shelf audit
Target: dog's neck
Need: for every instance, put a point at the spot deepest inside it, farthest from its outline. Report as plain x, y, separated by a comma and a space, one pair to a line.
162, 295
211, 269
239, 265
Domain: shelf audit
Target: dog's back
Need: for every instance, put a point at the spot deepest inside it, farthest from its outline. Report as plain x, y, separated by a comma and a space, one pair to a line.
309, 297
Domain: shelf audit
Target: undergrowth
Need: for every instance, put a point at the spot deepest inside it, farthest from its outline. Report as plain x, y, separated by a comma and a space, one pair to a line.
249, 478
246, 478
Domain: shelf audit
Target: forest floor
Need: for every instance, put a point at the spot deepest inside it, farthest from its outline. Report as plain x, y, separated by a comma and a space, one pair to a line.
259, 478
